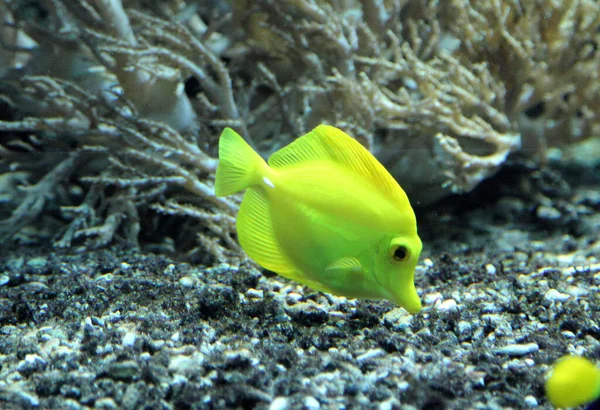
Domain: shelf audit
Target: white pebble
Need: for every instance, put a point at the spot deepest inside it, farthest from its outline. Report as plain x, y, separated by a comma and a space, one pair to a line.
447, 305
311, 403
568, 334
554, 295
188, 281
531, 401
431, 298
129, 339
280, 403
293, 297
33, 358
490, 269
518, 349
254, 293
399, 318
105, 403
370, 354
577, 291
464, 327
186, 365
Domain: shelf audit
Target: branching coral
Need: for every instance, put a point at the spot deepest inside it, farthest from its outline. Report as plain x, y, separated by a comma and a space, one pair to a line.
448, 89
545, 53
112, 108
129, 141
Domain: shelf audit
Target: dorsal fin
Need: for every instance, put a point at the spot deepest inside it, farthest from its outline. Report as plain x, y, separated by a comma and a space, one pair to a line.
327, 143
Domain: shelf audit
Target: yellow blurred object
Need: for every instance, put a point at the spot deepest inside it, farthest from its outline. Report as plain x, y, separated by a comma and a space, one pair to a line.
572, 382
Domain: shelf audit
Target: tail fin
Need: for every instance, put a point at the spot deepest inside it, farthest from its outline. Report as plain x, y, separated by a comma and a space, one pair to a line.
239, 165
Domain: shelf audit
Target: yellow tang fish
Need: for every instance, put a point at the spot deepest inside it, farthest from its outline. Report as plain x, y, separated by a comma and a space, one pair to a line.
324, 212
572, 382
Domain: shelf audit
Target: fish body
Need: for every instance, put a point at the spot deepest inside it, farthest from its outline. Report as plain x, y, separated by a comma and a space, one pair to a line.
326, 213
573, 381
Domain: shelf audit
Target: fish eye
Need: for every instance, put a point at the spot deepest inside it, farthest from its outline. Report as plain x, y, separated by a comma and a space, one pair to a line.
400, 253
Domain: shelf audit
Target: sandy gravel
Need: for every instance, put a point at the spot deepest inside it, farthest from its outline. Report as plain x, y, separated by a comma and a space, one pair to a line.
509, 278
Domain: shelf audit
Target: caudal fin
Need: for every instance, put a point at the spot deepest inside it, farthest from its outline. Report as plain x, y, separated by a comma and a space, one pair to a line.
239, 165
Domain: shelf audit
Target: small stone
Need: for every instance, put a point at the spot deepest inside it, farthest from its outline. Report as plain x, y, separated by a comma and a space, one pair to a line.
431, 298
240, 358
336, 315
157, 345
525, 280
490, 269
186, 365
554, 295
37, 263
32, 363
531, 401
12, 393
576, 291
125, 370
398, 318
310, 403
129, 339
293, 297
370, 354
280, 403
70, 404
132, 399
105, 403
446, 305
464, 327
386, 405
548, 213
307, 313
255, 293
518, 349
188, 281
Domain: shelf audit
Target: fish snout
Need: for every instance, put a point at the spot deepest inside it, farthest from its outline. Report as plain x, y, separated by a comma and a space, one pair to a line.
406, 296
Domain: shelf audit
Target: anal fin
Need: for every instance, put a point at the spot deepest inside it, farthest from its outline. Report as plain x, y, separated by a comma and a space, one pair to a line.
256, 235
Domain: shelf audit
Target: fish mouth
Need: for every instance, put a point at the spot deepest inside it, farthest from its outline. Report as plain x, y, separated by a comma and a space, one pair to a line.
406, 297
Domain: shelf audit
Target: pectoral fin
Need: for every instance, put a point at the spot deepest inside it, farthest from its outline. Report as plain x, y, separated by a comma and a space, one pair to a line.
344, 277
335, 277
344, 266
